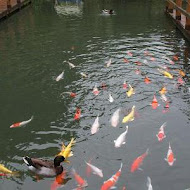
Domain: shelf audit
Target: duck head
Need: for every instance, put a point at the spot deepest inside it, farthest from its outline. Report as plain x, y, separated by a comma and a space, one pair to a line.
58, 160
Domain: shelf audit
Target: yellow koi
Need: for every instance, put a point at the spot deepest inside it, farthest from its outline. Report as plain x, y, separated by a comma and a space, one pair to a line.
131, 91
163, 90
166, 74
6, 170
66, 151
130, 116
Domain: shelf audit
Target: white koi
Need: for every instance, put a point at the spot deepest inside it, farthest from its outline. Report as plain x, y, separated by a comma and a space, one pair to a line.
95, 170
121, 139
95, 126
60, 77
115, 118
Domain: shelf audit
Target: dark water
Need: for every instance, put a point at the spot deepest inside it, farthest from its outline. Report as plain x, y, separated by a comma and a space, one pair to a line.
35, 45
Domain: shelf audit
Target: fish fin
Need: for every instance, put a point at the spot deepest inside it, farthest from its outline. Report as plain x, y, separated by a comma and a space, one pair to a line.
114, 141
140, 169
148, 181
132, 119
114, 187
123, 142
166, 159
67, 161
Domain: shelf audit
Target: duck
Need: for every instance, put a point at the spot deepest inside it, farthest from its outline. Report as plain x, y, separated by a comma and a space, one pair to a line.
45, 167
110, 12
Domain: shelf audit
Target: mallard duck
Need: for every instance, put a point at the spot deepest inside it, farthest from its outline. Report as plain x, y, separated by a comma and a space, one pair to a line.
45, 167
110, 12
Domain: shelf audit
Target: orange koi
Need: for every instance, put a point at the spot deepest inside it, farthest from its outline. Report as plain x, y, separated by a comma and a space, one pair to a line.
138, 161
81, 182
163, 90
175, 58
152, 59
110, 183
58, 181
154, 103
77, 114
147, 80
182, 73
161, 135
170, 156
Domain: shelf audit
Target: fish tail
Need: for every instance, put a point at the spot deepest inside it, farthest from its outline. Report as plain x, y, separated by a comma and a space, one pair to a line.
148, 181
16, 173
147, 151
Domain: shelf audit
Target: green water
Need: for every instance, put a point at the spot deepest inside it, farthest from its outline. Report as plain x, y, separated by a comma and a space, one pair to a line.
35, 46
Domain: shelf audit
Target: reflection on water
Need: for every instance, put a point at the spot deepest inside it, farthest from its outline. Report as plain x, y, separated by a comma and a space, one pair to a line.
72, 7
36, 45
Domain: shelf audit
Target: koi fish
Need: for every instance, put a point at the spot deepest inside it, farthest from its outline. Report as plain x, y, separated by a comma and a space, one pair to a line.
72, 94
58, 181
152, 59
71, 65
161, 135
166, 107
110, 98
130, 116
109, 62
19, 124
95, 170
181, 81
77, 114
163, 90
149, 185
170, 61
83, 75
146, 53
121, 139
66, 151
175, 57
81, 182
163, 98
95, 90
130, 92
59, 77
166, 74
103, 86
115, 118
95, 126
129, 53
154, 103
137, 71
138, 161
125, 60
6, 170
138, 63
124, 85
147, 80
110, 183
182, 73
170, 156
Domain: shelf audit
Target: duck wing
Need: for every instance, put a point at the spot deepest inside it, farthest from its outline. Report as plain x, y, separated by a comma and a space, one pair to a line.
38, 163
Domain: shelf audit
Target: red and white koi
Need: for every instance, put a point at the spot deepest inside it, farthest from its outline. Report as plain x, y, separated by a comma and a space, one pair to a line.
95, 90
95, 170
125, 60
115, 118
59, 77
95, 126
121, 139
72, 94
110, 98
161, 135
149, 185
129, 53
170, 156
154, 103
81, 182
180, 81
138, 161
77, 114
109, 62
71, 65
19, 124
124, 85
110, 183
